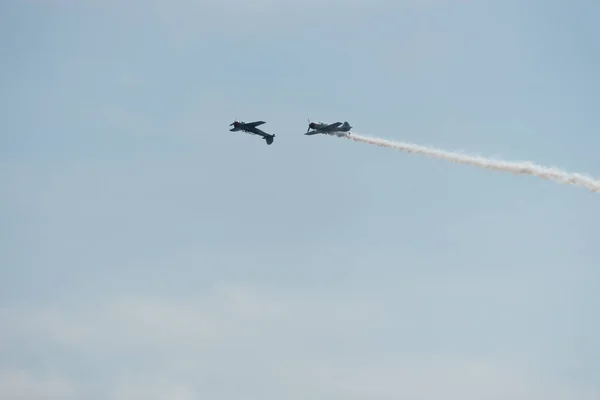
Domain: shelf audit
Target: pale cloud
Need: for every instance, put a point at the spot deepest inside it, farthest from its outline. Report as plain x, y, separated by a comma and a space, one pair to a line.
237, 341
16, 384
228, 312
436, 378
142, 389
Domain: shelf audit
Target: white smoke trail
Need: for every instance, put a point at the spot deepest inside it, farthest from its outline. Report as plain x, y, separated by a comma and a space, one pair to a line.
520, 167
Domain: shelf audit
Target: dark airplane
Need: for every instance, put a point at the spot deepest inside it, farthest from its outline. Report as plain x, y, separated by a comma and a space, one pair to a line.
251, 128
327, 128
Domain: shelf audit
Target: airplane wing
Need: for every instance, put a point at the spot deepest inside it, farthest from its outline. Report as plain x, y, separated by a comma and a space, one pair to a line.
255, 124
332, 126
313, 133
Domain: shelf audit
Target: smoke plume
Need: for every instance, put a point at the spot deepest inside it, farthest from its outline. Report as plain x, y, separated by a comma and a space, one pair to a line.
519, 168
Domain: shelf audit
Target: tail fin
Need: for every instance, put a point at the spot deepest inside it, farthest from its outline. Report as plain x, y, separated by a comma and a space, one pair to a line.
346, 126
269, 139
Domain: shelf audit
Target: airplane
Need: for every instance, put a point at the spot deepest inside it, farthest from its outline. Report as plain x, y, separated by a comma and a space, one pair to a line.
251, 128
327, 128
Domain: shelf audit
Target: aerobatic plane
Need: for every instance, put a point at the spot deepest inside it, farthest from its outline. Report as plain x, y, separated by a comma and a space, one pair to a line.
321, 127
251, 128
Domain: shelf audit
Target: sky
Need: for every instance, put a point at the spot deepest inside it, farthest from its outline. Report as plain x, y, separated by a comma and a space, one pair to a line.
147, 252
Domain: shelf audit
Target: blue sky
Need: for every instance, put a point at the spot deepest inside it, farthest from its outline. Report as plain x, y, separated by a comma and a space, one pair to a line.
147, 252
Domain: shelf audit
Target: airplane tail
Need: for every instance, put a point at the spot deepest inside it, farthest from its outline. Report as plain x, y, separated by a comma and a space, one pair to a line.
269, 139
345, 126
